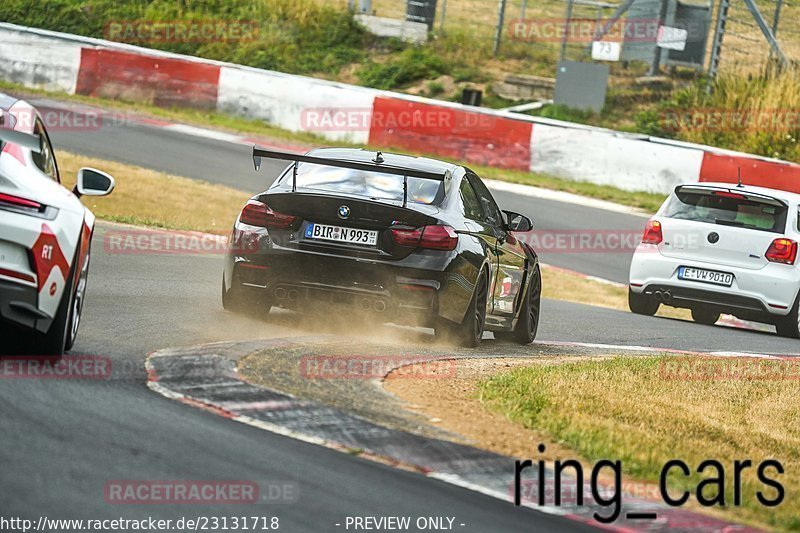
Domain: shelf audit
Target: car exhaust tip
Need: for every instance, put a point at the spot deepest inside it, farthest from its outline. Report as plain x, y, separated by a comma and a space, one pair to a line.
292, 295
659, 296
280, 293
379, 306
365, 304
666, 297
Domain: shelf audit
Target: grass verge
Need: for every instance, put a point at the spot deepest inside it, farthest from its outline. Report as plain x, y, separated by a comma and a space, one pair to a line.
149, 198
560, 284
636, 410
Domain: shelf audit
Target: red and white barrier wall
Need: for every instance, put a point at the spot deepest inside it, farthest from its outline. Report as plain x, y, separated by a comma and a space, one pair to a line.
95, 67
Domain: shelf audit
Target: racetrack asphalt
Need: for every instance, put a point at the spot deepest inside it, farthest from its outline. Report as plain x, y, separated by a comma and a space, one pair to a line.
63, 440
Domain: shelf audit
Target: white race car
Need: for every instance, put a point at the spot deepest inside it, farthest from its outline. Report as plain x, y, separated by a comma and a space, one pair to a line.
721, 248
45, 236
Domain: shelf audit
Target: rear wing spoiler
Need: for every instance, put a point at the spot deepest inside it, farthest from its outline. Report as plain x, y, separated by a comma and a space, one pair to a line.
376, 165
733, 191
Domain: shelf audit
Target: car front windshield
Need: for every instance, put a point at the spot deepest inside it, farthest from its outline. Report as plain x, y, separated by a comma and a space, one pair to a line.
373, 185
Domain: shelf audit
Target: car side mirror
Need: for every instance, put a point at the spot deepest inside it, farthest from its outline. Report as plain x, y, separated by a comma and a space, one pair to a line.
517, 222
93, 182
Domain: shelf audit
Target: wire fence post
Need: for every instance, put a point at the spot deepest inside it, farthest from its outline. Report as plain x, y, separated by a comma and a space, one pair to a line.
662, 17
776, 18
767, 32
567, 20
716, 46
498, 34
443, 15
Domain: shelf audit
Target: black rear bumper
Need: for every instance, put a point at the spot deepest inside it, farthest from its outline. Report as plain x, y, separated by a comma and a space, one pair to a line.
395, 291
744, 307
18, 307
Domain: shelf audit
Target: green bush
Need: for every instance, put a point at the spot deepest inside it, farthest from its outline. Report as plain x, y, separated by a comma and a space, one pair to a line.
412, 64
562, 112
434, 88
736, 114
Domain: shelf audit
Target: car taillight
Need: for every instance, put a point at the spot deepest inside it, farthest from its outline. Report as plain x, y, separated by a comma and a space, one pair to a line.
406, 237
259, 214
16, 201
782, 251
429, 237
23, 205
652, 233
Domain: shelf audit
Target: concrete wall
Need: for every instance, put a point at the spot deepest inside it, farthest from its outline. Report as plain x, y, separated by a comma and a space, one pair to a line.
39, 61
295, 103
628, 162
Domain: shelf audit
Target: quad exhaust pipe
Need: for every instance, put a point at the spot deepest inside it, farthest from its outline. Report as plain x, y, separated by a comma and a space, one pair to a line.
283, 294
368, 304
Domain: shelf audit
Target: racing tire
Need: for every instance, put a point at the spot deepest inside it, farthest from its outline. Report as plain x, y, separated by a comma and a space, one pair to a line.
705, 316
789, 325
642, 304
230, 300
54, 342
528, 323
78, 299
469, 332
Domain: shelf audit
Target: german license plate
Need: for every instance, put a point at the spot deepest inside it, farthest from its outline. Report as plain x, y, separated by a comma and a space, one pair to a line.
705, 276
340, 234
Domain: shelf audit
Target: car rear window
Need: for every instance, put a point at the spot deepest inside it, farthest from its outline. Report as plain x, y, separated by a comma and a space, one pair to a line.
374, 185
728, 209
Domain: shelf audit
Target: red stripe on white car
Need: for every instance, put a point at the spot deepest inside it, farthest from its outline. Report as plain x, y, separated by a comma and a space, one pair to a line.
47, 255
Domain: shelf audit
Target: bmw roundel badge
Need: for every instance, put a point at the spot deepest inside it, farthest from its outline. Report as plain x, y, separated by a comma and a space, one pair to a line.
344, 212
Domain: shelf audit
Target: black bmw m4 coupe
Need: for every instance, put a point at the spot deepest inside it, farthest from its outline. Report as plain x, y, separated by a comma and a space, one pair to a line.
407, 239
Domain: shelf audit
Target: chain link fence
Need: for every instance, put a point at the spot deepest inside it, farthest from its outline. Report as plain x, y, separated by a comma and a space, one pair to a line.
506, 29
744, 47
516, 29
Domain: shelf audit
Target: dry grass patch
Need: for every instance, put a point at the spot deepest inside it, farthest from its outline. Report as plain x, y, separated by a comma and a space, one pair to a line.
453, 404
559, 284
150, 198
636, 410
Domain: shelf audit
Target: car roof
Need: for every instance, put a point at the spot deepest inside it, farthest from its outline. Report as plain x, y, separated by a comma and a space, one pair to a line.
6, 101
361, 155
787, 196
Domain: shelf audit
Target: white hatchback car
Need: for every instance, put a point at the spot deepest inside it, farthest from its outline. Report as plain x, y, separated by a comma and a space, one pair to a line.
721, 248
